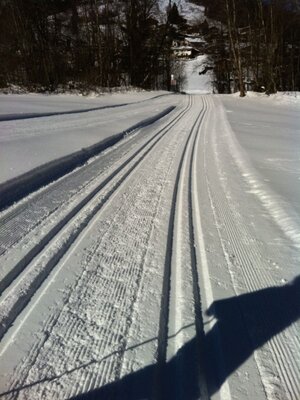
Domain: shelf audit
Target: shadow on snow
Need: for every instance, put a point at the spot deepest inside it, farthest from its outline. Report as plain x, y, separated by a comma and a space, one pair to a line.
243, 324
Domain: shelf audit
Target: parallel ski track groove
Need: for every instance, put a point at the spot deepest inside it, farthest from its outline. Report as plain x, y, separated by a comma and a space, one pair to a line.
196, 290
112, 297
14, 230
10, 231
165, 300
22, 301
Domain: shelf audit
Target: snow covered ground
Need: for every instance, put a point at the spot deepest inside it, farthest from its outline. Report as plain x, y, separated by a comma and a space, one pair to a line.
166, 266
196, 83
189, 10
18, 104
28, 143
269, 136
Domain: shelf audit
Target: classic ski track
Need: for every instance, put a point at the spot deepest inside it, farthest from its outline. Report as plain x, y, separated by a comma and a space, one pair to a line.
27, 129
69, 187
198, 235
118, 295
175, 269
20, 116
196, 260
33, 210
235, 237
61, 233
255, 276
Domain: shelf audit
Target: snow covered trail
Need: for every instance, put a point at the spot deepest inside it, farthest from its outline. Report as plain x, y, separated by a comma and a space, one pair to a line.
49, 211
79, 282
251, 275
152, 272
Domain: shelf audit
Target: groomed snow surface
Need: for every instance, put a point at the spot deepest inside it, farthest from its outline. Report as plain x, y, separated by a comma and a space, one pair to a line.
165, 266
29, 136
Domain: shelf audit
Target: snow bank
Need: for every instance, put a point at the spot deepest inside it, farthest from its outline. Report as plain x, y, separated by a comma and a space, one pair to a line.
51, 104
279, 97
22, 185
264, 141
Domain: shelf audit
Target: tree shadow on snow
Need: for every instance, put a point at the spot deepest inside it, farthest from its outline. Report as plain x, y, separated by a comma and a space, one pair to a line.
243, 324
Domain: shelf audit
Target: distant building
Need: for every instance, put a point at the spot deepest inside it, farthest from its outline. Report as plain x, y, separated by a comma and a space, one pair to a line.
184, 49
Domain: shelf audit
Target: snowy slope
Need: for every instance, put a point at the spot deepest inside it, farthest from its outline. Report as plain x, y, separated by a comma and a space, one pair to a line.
187, 9
28, 143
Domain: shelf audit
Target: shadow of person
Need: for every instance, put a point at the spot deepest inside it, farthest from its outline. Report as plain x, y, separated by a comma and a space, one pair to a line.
178, 379
243, 324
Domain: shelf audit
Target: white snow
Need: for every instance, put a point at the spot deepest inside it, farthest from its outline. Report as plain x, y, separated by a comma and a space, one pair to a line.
29, 143
267, 140
112, 261
195, 83
194, 39
288, 98
192, 12
39, 103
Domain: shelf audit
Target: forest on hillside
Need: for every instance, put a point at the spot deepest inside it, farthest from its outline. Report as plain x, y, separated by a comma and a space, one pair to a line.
255, 44
105, 43
252, 44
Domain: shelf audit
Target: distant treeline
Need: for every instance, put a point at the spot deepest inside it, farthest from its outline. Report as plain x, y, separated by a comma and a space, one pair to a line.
252, 44
255, 44
95, 42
